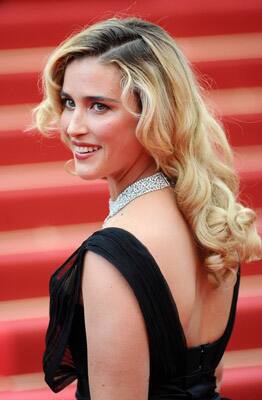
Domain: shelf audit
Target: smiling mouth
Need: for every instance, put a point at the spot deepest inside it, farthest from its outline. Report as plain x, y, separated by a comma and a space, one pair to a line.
85, 149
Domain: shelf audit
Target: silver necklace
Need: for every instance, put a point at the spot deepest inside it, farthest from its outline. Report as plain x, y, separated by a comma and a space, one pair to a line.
136, 189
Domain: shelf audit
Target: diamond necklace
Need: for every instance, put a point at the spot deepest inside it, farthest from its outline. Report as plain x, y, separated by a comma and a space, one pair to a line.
136, 189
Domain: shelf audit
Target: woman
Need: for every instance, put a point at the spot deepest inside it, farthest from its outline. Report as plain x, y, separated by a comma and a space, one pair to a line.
150, 297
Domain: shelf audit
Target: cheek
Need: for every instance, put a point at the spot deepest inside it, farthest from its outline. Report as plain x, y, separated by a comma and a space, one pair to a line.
63, 123
106, 131
119, 129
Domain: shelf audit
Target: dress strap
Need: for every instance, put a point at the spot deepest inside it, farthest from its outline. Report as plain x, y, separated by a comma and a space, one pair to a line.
223, 341
165, 335
135, 263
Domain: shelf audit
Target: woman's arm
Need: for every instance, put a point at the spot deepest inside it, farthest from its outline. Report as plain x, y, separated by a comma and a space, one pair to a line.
118, 354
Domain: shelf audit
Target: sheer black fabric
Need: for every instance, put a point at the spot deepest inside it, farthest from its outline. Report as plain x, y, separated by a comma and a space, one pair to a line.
176, 371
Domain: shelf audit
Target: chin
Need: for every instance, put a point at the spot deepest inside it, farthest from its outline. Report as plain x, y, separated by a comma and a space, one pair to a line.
87, 175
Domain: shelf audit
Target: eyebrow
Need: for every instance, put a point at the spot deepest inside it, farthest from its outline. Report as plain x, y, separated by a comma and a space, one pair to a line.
92, 98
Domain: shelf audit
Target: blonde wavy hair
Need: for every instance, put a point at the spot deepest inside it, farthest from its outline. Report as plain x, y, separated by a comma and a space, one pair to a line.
175, 127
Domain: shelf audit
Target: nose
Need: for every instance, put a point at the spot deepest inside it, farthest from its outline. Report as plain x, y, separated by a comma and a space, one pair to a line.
77, 124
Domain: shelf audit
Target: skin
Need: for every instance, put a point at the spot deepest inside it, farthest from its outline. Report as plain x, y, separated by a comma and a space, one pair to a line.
118, 352
121, 159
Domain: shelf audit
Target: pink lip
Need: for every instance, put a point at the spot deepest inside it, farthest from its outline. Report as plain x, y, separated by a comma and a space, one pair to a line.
84, 144
80, 156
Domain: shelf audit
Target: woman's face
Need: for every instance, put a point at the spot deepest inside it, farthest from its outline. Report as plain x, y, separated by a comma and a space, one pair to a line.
98, 128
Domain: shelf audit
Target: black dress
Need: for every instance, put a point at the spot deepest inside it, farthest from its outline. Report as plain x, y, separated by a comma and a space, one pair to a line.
176, 371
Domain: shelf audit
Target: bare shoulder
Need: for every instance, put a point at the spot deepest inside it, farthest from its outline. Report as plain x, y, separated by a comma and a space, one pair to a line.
118, 355
158, 223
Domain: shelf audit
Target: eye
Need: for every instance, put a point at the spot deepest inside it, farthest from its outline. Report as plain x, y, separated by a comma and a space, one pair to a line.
67, 103
99, 107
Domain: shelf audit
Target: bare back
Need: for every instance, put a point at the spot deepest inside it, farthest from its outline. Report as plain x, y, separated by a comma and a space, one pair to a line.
156, 221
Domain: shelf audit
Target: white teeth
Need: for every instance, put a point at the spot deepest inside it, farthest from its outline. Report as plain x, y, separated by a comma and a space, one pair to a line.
85, 149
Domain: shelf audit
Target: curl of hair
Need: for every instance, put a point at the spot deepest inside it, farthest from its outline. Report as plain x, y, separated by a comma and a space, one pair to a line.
175, 127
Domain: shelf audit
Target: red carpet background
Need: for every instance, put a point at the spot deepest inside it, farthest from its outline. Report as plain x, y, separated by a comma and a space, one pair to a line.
46, 213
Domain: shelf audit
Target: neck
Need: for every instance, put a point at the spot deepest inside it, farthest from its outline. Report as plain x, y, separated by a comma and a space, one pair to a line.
138, 188
118, 184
